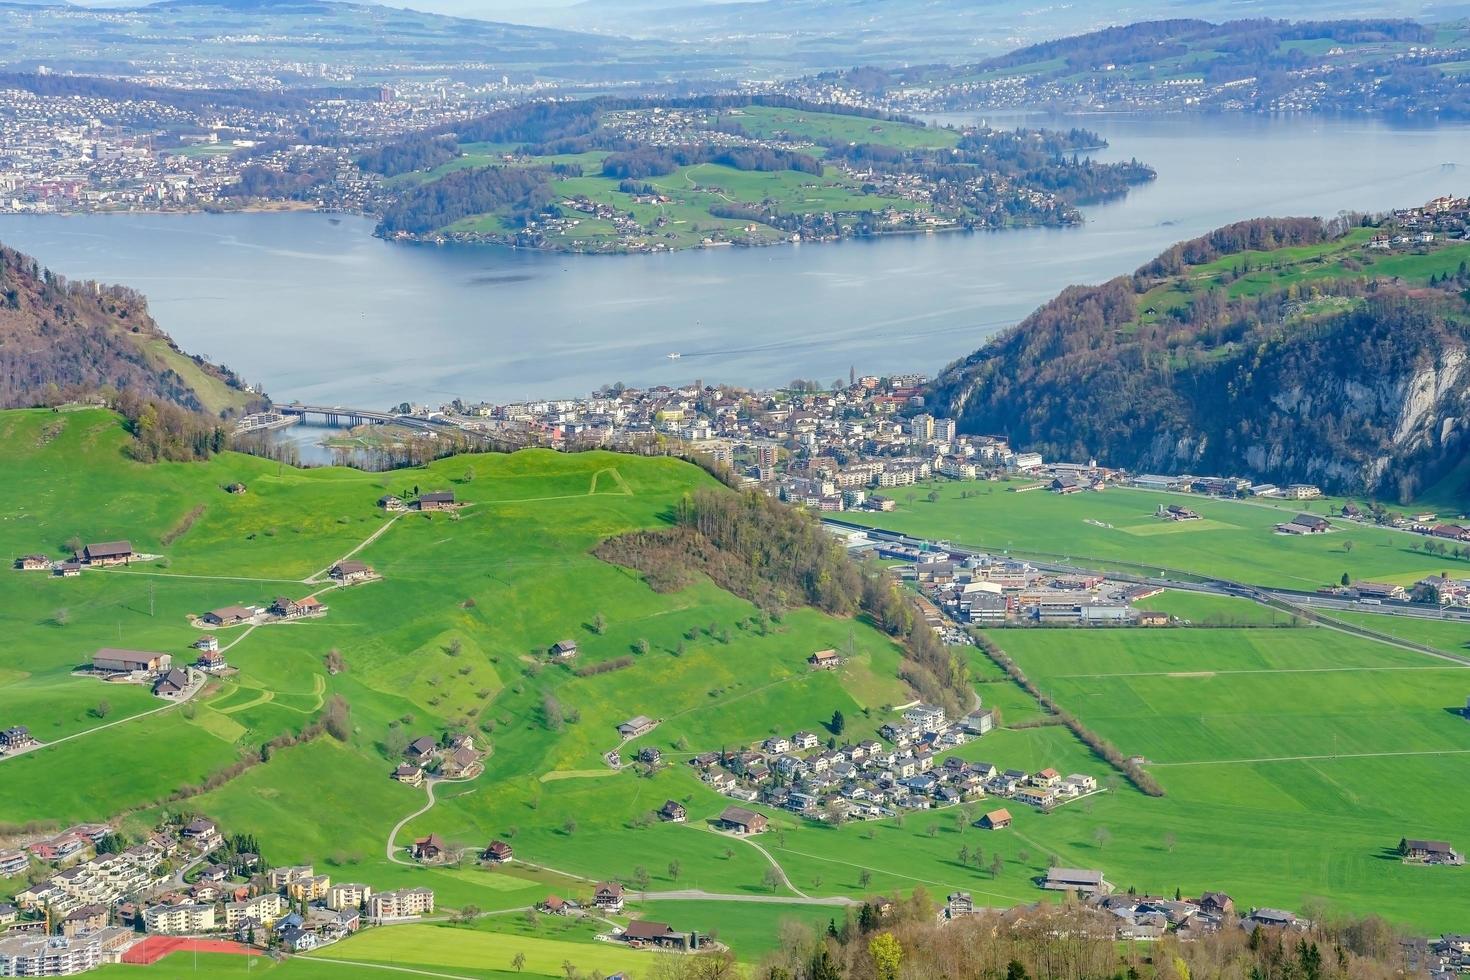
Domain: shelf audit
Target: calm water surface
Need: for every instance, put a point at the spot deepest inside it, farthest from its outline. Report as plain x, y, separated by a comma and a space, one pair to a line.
315, 308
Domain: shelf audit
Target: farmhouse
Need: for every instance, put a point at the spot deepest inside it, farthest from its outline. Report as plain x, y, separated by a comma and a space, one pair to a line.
1455, 532
351, 571
458, 763
439, 500
128, 661
563, 650
14, 738
741, 821
392, 503
172, 684
412, 775
673, 812
608, 896
209, 643
69, 569
824, 660
958, 904
633, 727
499, 852
212, 661
235, 489
422, 748
229, 615
642, 932
1429, 852
288, 608
108, 553
33, 563
1076, 880
431, 849
995, 820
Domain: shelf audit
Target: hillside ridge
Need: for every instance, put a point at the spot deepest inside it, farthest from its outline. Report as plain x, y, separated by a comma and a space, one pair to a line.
62, 340
1288, 350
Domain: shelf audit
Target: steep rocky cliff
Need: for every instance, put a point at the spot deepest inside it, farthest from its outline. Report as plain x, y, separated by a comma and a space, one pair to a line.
1319, 372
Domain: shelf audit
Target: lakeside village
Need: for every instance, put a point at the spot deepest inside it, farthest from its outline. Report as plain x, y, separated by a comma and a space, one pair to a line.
869, 444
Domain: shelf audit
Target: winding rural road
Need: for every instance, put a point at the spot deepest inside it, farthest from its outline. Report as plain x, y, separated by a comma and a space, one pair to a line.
390, 851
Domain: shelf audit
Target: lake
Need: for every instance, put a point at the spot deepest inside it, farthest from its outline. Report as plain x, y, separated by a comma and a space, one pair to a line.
313, 307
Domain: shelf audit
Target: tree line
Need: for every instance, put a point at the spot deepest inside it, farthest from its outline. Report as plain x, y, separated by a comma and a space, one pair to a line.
521, 192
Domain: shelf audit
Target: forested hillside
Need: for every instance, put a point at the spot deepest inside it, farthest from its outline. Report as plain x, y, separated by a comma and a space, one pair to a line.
1283, 349
63, 340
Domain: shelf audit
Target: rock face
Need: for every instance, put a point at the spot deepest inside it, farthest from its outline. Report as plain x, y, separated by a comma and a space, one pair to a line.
1371, 397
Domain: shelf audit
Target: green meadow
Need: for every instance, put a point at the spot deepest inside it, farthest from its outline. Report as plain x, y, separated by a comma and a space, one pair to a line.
1291, 757
1233, 540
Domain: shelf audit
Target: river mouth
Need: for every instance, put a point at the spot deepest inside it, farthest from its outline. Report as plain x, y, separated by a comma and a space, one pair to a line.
313, 307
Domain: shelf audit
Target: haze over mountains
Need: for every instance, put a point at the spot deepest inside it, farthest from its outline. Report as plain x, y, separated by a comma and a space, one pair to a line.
840, 33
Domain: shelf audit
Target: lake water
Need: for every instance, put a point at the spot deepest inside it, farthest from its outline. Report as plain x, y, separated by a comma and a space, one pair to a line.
313, 307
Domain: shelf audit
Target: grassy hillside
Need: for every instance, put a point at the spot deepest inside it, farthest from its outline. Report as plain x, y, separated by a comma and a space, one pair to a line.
453, 637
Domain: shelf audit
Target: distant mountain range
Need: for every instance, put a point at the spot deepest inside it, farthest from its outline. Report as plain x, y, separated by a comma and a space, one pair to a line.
325, 32
842, 33
767, 36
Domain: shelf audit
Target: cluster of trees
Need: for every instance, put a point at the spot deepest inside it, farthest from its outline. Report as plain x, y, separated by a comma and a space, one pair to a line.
296, 182
63, 341
1060, 942
654, 161
1250, 383
419, 151
519, 193
604, 666
1255, 235
164, 431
